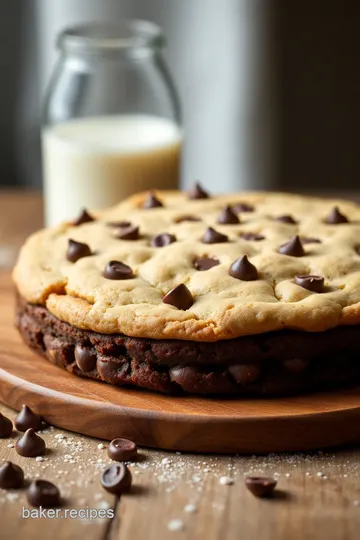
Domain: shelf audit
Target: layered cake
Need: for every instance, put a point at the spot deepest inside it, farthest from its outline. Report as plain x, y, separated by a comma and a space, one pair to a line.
243, 294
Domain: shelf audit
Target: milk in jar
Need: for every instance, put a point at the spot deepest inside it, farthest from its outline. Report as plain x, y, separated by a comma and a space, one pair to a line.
98, 161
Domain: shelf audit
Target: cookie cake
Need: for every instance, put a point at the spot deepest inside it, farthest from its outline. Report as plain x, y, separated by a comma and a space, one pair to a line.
242, 294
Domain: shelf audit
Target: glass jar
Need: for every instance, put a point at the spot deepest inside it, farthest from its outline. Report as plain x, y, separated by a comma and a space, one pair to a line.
111, 122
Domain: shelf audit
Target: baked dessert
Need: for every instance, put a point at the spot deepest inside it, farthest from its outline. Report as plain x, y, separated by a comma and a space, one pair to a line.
243, 294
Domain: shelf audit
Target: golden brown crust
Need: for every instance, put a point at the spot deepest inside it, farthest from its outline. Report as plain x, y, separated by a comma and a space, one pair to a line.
224, 307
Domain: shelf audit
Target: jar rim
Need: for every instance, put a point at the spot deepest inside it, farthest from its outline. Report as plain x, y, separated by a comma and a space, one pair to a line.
127, 34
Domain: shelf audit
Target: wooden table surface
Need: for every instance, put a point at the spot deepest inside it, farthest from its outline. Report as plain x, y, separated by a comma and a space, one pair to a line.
174, 496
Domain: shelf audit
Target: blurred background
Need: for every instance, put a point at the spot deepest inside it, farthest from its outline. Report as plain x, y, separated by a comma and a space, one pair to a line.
269, 88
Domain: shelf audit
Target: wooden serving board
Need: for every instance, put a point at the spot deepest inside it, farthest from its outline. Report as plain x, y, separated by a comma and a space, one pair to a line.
173, 423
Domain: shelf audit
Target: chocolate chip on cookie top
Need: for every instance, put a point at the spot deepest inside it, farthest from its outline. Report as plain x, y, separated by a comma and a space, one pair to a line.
335, 217
243, 207
198, 192
84, 217
163, 239
228, 216
211, 236
243, 269
119, 224
128, 233
190, 218
293, 248
77, 250
255, 237
286, 219
117, 270
205, 263
180, 297
310, 240
152, 202
311, 283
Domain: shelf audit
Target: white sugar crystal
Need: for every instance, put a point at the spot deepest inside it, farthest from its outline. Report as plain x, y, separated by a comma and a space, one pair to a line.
103, 504
12, 496
175, 525
226, 481
166, 461
10, 445
60, 436
39, 458
191, 508
100, 446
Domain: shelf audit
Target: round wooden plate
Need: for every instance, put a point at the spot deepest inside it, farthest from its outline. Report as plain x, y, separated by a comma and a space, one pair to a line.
173, 423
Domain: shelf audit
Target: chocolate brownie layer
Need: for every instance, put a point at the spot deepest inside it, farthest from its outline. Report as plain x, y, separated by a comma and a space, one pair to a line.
283, 362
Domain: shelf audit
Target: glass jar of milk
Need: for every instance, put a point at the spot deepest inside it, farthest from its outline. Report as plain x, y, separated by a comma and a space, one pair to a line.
111, 124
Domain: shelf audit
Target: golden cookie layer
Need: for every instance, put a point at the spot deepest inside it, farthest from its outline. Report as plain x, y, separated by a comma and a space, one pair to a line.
224, 307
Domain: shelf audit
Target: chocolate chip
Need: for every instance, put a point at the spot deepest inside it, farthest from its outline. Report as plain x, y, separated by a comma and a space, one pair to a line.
122, 450
128, 233
85, 358
180, 297
357, 249
6, 426
293, 248
243, 269
243, 207
196, 380
296, 364
27, 419
185, 376
205, 263
11, 476
163, 239
43, 493
198, 192
152, 202
84, 217
335, 217
311, 283
116, 479
286, 219
77, 250
252, 236
228, 217
260, 486
117, 270
30, 444
244, 373
213, 237
310, 240
187, 218
119, 224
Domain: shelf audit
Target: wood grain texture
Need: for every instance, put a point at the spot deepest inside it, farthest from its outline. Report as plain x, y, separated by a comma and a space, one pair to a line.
167, 422
307, 505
